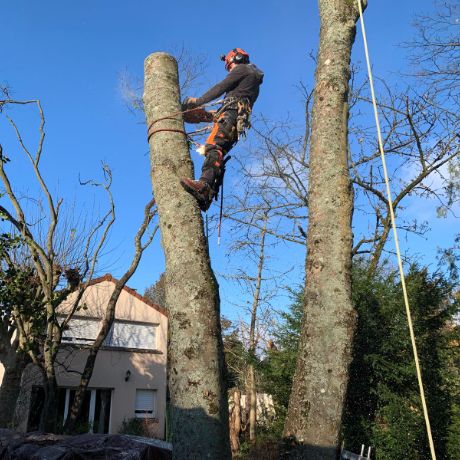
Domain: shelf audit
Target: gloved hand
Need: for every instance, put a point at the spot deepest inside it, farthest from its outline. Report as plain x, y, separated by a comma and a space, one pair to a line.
197, 115
193, 113
189, 103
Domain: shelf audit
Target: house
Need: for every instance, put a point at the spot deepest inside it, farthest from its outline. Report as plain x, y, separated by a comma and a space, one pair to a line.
129, 378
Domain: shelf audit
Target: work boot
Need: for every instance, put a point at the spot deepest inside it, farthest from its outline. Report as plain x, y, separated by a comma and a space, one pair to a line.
200, 190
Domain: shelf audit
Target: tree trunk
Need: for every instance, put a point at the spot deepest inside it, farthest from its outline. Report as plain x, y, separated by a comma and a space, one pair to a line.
320, 381
378, 249
75, 411
235, 423
251, 386
14, 364
196, 360
48, 419
252, 396
107, 322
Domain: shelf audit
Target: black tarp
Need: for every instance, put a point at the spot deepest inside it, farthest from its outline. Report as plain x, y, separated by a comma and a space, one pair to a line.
39, 446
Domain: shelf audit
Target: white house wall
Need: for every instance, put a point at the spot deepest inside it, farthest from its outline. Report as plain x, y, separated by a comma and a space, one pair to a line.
147, 369
146, 372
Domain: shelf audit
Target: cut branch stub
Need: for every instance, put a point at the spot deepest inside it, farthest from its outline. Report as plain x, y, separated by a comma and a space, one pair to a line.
198, 395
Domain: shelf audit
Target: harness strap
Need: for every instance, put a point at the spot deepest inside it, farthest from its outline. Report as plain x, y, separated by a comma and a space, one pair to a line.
243, 122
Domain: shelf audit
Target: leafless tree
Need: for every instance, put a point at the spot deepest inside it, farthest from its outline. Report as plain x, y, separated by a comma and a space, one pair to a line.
421, 143
63, 261
253, 213
435, 55
109, 316
255, 246
435, 50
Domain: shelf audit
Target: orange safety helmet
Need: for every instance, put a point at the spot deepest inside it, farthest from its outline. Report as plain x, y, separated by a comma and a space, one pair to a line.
235, 56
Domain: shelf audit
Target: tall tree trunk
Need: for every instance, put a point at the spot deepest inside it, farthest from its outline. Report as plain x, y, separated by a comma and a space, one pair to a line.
320, 381
251, 386
196, 359
14, 363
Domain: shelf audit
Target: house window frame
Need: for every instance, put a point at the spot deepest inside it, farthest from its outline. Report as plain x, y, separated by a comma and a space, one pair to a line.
154, 327
120, 322
82, 340
92, 406
145, 414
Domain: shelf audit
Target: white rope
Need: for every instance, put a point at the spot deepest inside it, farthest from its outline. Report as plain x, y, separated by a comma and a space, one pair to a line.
395, 235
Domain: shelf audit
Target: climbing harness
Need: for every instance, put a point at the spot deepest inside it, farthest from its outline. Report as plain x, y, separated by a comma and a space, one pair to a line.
197, 114
395, 235
243, 108
243, 121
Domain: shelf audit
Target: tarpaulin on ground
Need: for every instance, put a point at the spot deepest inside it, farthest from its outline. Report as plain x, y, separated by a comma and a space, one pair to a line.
39, 446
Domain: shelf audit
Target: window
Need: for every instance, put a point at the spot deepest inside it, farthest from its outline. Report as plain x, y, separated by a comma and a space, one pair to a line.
132, 335
145, 403
95, 410
82, 330
124, 334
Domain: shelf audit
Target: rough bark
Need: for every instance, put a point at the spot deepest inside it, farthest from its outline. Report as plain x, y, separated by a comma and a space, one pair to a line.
235, 423
14, 363
320, 381
251, 394
48, 419
196, 360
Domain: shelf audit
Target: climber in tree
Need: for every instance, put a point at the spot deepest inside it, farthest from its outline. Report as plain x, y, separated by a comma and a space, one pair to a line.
241, 88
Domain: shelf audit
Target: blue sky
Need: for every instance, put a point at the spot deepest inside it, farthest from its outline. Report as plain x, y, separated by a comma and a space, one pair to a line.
70, 55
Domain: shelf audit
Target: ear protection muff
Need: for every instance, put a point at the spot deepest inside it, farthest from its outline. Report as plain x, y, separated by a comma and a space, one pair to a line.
235, 56
240, 58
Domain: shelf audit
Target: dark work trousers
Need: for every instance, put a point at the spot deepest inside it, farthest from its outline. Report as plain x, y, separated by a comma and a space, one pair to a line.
222, 138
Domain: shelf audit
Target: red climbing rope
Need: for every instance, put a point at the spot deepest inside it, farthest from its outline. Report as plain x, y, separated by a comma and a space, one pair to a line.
150, 134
